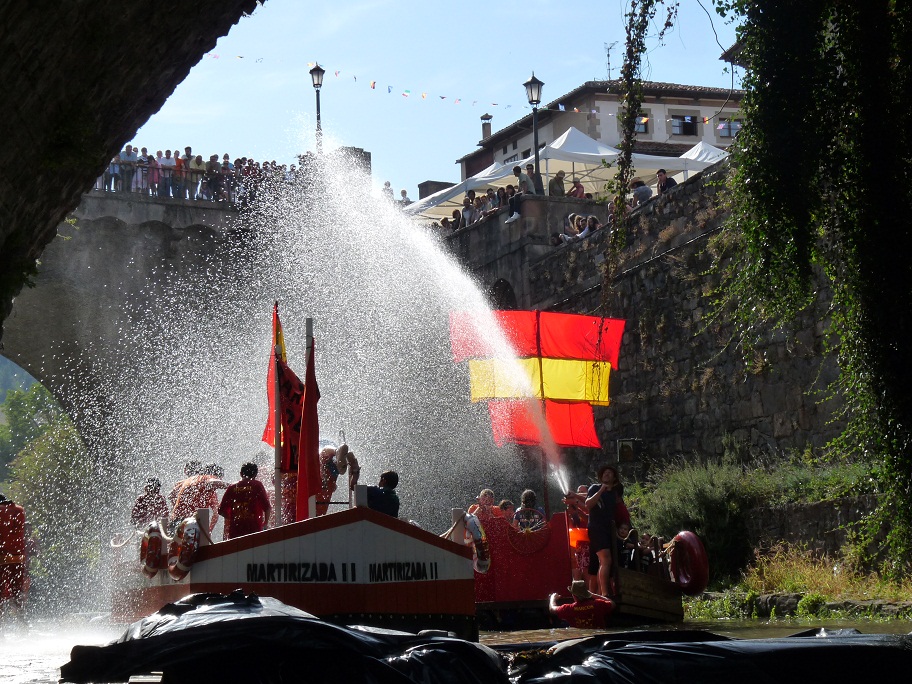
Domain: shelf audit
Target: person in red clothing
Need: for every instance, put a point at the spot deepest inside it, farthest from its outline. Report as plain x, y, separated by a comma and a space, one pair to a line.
195, 492
13, 576
150, 505
245, 505
588, 611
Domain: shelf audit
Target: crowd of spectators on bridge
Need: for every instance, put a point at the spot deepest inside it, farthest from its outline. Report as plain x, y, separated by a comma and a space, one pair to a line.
185, 175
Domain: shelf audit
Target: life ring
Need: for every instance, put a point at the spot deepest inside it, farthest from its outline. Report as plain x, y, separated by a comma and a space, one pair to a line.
476, 537
689, 564
151, 551
183, 548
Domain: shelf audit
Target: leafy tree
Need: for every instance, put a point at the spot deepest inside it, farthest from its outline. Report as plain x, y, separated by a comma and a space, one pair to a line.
54, 480
12, 377
29, 413
819, 191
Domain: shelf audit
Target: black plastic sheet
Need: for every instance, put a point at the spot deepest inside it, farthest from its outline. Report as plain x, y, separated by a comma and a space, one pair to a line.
238, 638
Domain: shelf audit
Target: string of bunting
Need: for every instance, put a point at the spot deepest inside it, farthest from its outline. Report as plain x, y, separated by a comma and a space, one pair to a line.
372, 85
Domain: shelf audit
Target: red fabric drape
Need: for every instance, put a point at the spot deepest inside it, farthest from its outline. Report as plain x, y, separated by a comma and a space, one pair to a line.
278, 338
515, 422
562, 336
291, 397
309, 480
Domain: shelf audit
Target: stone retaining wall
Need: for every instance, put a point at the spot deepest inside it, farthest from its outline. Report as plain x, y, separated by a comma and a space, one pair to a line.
823, 527
682, 386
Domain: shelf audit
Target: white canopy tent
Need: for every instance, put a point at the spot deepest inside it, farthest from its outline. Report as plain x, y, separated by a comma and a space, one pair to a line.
574, 153
705, 152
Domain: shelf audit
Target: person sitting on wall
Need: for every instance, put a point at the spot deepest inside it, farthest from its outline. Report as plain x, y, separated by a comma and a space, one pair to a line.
528, 517
525, 188
245, 505
150, 505
665, 183
641, 192
588, 610
591, 224
577, 191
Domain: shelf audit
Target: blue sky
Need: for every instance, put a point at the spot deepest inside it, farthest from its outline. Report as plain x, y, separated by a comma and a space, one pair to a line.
252, 94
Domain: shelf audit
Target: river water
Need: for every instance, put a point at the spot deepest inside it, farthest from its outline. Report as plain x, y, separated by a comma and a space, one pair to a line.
34, 655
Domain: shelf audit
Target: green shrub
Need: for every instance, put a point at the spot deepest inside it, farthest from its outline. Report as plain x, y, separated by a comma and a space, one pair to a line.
709, 499
811, 605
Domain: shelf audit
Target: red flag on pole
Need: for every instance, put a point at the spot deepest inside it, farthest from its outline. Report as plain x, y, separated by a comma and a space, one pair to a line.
309, 480
278, 341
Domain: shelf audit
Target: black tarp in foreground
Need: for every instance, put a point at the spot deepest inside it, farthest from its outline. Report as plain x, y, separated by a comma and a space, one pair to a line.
240, 638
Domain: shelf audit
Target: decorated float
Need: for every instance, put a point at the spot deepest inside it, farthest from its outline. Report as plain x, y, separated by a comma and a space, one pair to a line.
359, 566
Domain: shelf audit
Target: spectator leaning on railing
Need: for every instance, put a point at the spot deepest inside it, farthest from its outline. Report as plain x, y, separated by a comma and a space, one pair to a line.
188, 177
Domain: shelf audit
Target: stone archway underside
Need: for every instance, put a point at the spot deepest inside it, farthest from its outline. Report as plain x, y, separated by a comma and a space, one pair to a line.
81, 91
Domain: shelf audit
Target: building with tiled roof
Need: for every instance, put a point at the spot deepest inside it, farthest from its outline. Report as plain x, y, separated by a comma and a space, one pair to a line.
675, 118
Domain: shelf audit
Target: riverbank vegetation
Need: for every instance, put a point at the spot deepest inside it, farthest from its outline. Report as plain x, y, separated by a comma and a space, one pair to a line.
821, 588
716, 497
719, 498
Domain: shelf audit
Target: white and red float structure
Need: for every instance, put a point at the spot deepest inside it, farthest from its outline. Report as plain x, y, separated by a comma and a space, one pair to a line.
356, 566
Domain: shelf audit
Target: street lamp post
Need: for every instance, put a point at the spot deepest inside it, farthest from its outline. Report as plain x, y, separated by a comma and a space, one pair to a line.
317, 75
533, 94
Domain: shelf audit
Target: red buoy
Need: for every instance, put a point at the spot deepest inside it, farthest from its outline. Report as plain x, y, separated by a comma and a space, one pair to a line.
689, 564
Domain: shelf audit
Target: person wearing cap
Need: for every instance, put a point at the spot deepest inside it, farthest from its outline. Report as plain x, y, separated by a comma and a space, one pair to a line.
537, 184
577, 191
150, 505
588, 610
556, 185
665, 183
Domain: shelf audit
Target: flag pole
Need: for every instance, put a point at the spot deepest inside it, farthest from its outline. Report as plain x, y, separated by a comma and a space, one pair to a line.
309, 338
541, 389
277, 433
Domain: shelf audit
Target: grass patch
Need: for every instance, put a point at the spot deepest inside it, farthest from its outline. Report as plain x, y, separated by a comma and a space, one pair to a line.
821, 581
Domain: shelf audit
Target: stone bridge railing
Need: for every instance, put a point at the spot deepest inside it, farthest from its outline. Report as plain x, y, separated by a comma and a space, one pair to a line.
133, 208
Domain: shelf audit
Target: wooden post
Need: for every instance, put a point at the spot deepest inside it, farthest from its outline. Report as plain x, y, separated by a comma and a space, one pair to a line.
277, 435
309, 338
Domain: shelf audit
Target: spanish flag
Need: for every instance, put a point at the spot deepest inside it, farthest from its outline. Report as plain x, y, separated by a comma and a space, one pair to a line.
562, 368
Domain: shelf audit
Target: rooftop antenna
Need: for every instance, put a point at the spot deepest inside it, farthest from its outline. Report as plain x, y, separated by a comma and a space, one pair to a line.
608, 49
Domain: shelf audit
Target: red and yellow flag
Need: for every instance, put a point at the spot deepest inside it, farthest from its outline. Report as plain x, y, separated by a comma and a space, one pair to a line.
278, 348
562, 360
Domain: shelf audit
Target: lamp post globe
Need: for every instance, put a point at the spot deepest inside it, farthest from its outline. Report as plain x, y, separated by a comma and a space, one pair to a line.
316, 74
533, 95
